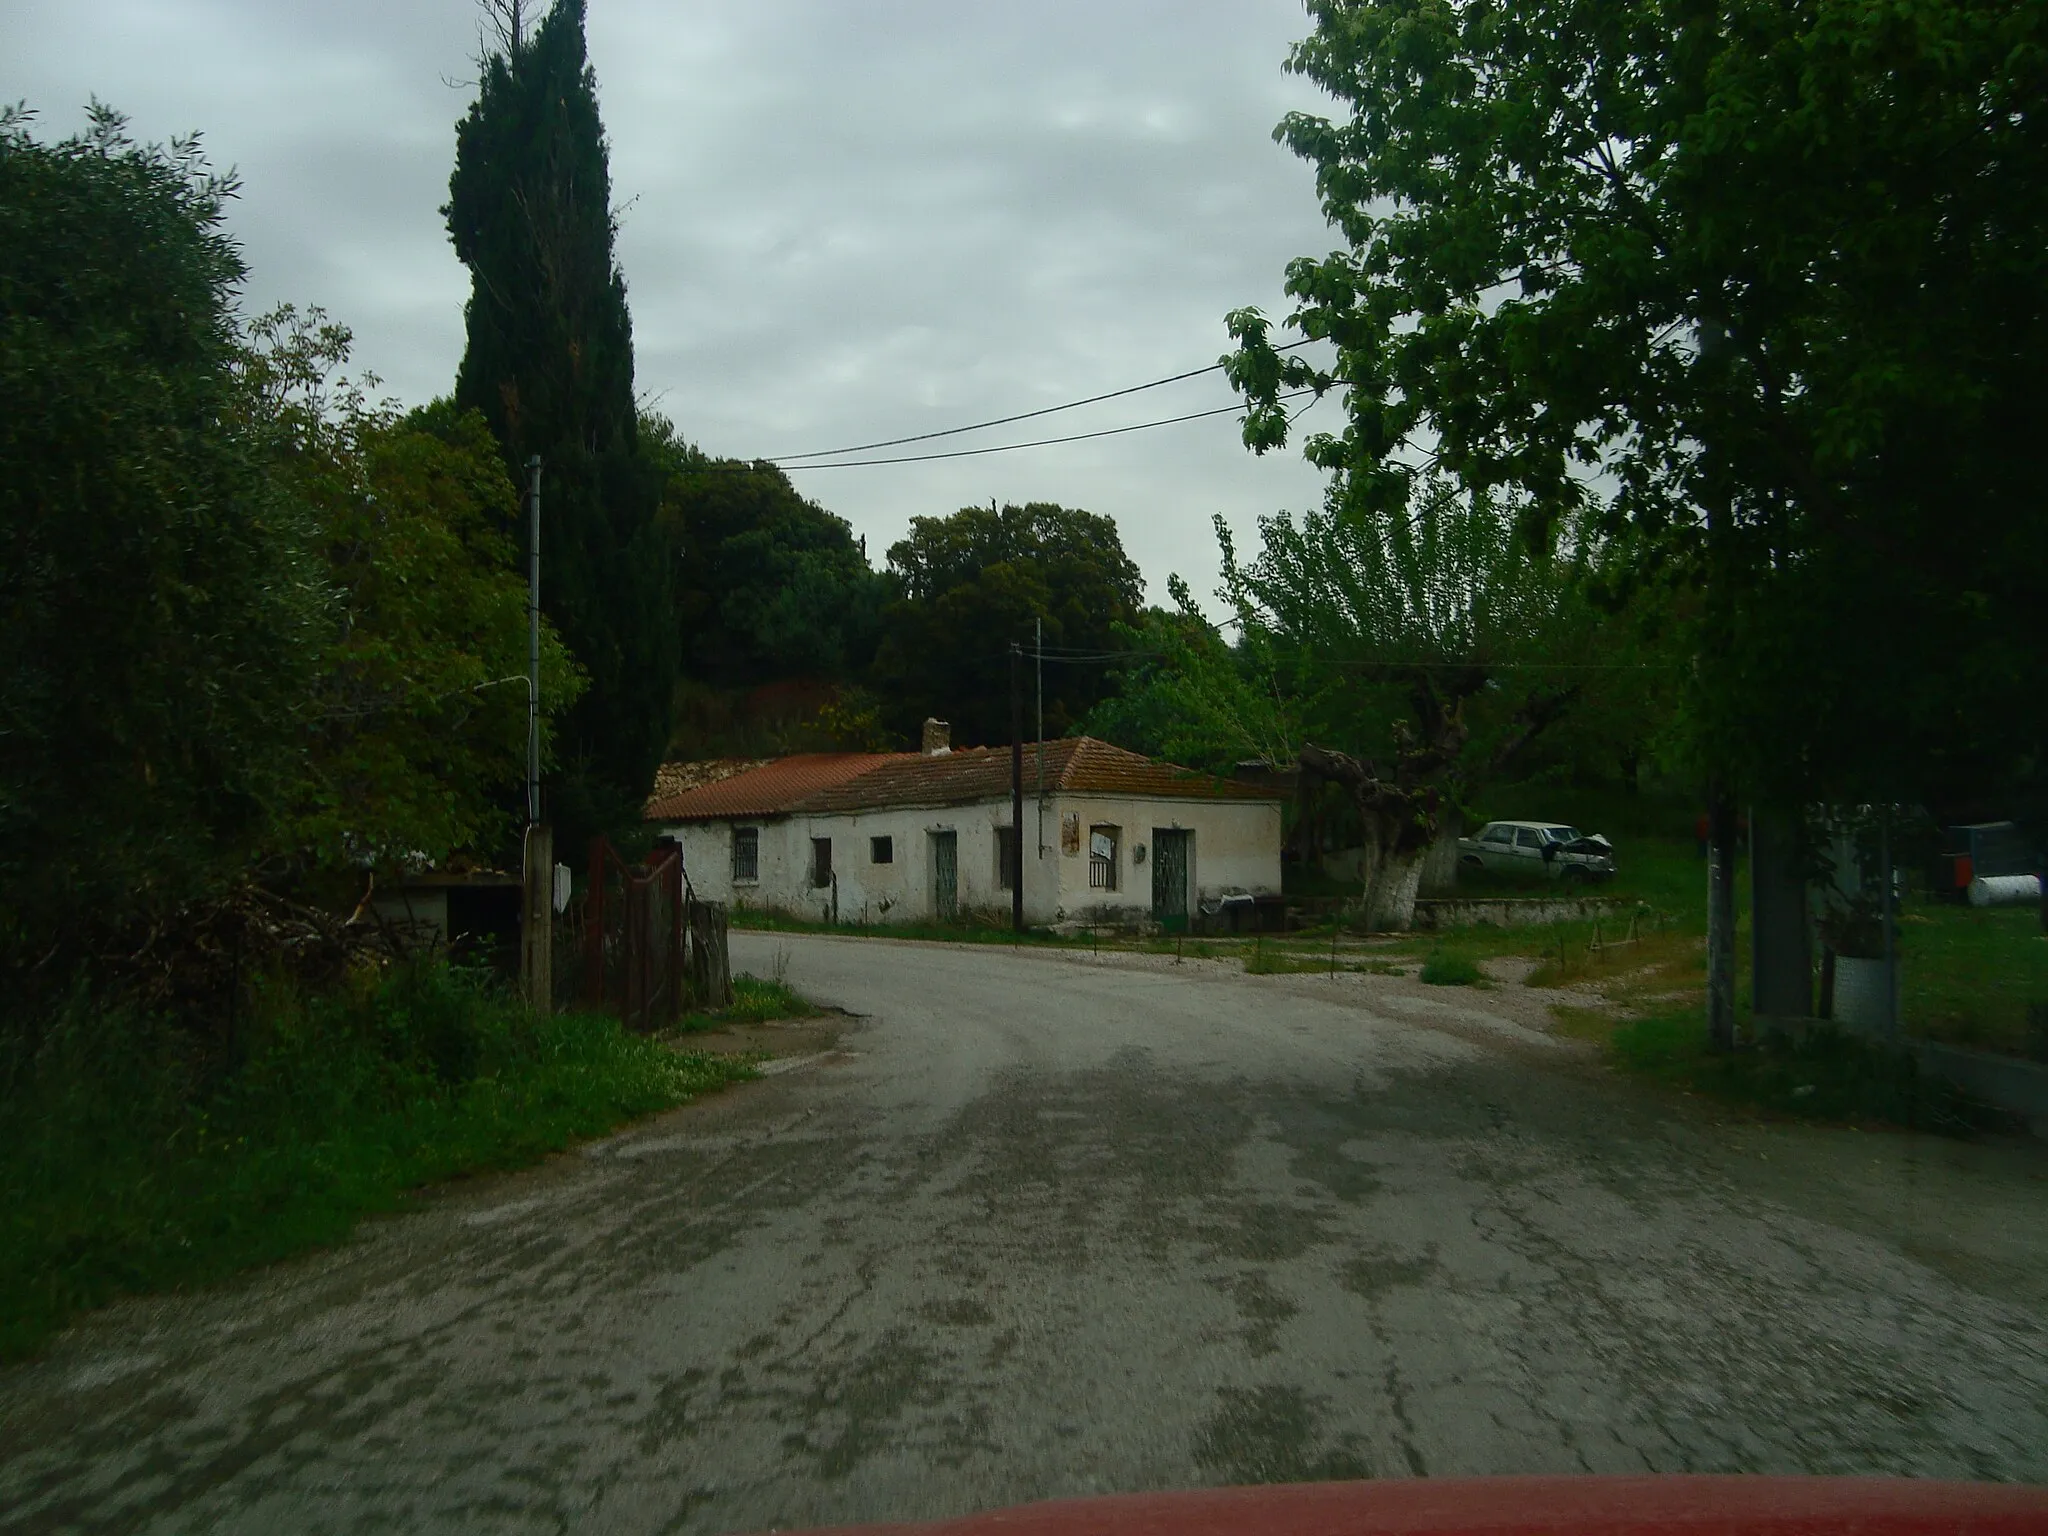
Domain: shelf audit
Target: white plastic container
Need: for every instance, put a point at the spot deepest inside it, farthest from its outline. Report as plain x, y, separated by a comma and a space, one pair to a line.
2004, 890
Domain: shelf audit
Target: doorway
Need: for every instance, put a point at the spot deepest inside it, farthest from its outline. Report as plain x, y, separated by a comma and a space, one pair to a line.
1170, 849
945, 876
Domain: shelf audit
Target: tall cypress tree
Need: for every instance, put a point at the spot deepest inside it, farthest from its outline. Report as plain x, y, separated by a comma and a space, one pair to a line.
549, 362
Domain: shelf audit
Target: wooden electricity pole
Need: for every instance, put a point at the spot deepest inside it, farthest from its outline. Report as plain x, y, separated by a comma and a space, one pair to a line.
1017, 787
537, 920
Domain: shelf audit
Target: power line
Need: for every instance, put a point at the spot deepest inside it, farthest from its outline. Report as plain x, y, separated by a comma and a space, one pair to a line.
1003, 421
1043, 442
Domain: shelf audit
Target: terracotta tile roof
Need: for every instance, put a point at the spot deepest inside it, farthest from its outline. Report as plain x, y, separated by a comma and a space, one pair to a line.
1076, 764
770, 788
672, 779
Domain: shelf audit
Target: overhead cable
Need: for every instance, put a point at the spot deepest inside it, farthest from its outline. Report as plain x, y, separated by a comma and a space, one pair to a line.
1042, 442
1004, 421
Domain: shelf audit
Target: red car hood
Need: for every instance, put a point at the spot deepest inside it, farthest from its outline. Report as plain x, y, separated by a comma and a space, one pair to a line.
1512, 1506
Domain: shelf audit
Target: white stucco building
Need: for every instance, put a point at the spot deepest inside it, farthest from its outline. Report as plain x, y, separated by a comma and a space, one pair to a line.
1109, 836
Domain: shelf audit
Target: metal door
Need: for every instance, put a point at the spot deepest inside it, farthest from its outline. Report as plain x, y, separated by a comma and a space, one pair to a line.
1170, 875
945, 876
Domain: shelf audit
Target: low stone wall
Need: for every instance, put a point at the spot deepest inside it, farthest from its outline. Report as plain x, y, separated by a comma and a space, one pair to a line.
1514, 911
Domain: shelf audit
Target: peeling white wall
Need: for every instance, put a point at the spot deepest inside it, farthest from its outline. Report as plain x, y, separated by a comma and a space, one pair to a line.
1236, 845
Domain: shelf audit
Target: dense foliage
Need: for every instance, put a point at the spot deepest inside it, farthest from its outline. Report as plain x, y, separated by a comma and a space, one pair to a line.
549, 364
415, 725
1760, 288
161, 607
769, 585
255, 627
973, 584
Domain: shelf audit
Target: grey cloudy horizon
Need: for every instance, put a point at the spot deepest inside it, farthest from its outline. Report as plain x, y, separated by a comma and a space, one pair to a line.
838, 224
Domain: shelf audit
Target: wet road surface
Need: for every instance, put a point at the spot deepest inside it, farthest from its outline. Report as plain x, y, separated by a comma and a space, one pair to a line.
1044, 1224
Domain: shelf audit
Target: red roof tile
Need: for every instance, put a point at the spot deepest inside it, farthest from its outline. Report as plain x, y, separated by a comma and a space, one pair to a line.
827, 782
1075, 765
772, 789
672, 779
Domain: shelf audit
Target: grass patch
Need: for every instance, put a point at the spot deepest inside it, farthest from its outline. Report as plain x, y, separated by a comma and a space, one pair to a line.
130, 1162
1274, 962
1827, 1075
1449, 968
972, 928
755, 1000
1972, 976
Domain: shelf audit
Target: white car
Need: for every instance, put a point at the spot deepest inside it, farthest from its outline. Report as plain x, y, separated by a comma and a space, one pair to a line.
1539, 850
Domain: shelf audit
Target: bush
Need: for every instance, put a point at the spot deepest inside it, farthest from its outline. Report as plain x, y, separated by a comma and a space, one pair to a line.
132, 1161
1444, 968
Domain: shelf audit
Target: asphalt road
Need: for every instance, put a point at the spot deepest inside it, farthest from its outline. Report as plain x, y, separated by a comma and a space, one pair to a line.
1041, 1224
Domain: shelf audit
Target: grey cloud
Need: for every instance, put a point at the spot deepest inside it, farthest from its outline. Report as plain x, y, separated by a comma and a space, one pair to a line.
839, 222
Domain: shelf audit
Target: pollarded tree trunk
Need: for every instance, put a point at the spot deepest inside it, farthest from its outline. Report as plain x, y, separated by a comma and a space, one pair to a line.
1397, 822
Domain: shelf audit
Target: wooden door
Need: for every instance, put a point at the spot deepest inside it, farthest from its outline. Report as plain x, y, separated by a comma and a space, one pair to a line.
945, 876
1170, 874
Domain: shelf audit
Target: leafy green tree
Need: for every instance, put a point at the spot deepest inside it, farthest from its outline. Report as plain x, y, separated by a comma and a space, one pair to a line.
770, 585
415, 733
972, 584
1408, 662
1189, 696
161, 608
549, 364
1760, 288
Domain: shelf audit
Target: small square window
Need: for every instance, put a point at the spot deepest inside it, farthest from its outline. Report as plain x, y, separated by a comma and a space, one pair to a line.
881, 850
746, 853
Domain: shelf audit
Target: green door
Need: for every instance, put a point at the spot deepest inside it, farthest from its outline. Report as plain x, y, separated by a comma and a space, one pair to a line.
1170, 877
945, 876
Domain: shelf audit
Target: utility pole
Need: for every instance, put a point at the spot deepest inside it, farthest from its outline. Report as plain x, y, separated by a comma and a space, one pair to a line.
537, 938
1038, 654
1016, 787
1720, 918
533, 641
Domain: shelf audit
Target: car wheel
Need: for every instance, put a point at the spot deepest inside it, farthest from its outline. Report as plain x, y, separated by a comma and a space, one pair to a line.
1471, 861
1572, 874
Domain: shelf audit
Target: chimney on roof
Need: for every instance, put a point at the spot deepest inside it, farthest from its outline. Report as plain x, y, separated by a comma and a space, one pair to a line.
938, 737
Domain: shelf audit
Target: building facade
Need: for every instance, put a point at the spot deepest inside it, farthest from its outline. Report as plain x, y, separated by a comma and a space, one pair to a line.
1110, 837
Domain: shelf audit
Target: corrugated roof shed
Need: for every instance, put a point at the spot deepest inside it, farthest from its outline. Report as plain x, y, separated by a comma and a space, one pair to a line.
772, 788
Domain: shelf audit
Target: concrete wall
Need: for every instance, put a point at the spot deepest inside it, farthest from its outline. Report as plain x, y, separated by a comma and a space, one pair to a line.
1236, 844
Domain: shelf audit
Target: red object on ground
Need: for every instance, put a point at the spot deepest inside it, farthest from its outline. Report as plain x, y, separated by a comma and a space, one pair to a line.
1529, 1506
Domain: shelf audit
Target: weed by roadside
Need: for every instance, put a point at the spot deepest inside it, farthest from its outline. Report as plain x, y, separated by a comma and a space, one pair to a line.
1449, 968
755, 1000
128, 1164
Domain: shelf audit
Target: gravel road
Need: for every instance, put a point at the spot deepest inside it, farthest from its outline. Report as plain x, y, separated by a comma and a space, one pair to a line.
1041, 1224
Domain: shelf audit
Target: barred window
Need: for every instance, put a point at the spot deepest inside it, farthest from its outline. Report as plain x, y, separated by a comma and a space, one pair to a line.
1102, 849
746, 853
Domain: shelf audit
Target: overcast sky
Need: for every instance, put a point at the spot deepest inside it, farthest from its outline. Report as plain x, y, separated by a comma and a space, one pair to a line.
841, 222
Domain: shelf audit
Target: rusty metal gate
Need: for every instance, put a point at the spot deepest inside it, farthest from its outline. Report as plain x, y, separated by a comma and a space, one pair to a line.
649, 949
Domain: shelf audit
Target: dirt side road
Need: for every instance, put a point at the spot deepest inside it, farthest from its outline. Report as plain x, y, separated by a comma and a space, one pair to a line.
1041, 1224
